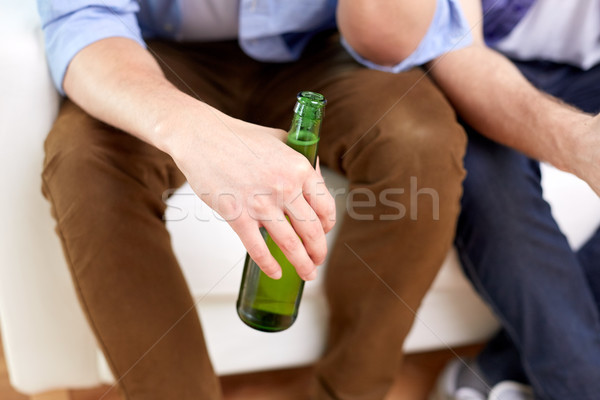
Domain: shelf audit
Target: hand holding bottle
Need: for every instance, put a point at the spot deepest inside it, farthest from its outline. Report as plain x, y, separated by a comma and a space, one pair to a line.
264, 303
252, 179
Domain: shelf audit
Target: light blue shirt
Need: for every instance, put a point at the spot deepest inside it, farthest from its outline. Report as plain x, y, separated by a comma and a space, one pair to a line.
269, 30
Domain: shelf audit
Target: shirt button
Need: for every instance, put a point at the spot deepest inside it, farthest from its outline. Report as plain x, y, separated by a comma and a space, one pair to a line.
168, 27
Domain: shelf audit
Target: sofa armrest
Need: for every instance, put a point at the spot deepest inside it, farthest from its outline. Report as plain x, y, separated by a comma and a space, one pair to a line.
39, 314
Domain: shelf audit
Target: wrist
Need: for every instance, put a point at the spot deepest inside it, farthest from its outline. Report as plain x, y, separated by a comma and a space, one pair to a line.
572, 141
173, 125
578, 144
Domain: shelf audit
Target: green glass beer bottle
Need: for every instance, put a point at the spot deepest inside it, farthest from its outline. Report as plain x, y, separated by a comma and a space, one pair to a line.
267, 304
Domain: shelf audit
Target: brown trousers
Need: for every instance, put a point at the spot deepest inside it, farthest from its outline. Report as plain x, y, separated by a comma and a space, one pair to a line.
105, 187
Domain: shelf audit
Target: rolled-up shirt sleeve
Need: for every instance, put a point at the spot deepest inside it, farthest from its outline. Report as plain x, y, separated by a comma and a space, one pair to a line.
71, 25
449, 30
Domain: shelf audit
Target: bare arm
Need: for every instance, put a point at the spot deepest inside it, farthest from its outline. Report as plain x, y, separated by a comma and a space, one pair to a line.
120, 83
492, 95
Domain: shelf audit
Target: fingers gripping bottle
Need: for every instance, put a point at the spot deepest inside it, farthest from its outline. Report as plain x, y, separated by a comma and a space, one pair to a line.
267, 304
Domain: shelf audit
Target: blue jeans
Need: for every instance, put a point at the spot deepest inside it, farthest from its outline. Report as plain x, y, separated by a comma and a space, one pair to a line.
546, 295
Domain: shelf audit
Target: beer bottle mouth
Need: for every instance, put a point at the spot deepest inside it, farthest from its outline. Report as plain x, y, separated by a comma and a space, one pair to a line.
311, 98
310, 104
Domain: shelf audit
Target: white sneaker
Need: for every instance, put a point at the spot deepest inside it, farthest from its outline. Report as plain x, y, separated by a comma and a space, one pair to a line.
466, 393
509, 390
446, 386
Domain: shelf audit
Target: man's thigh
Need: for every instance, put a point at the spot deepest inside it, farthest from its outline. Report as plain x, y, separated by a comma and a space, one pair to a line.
405, 111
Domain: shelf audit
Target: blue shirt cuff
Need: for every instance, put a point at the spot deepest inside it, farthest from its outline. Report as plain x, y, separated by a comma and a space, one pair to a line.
68, 33
448, 31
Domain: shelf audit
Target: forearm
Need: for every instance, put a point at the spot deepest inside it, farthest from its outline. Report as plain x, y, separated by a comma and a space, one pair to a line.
492, 96
119, 82
227, 161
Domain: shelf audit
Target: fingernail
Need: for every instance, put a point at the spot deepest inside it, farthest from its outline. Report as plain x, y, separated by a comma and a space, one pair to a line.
318, 166
276, 275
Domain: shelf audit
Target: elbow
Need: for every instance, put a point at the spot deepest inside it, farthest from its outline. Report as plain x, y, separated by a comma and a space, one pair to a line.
381, 32
378, 48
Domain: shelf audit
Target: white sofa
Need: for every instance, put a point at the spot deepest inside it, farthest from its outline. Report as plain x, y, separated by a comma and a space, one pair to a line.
47, 342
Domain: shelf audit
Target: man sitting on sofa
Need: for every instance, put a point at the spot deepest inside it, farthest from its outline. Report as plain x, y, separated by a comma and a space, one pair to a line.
547, 296
159, 92
105, 185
